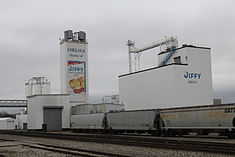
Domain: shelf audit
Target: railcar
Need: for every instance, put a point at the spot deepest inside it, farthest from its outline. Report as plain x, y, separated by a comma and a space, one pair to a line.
133, 121
199, 119
168, 122
88, 122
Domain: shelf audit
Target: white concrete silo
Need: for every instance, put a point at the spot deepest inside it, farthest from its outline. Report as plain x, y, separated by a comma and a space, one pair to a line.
46, 88
36, 89
28, 89
37, 85
74, 66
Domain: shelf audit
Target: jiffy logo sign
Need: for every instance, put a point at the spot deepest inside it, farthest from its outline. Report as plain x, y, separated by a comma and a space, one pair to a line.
76, 77
193, 77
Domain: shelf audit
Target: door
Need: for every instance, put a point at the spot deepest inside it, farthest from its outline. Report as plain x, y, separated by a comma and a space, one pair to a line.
53, 118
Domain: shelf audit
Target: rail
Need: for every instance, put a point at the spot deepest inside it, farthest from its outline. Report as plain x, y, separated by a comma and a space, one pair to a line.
164, 142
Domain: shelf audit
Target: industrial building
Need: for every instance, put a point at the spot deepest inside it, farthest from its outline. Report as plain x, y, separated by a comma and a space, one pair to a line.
21, 121
50, 109
182, 78
7, 123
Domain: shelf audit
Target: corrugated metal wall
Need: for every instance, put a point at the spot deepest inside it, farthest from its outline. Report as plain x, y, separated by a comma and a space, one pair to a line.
53, 118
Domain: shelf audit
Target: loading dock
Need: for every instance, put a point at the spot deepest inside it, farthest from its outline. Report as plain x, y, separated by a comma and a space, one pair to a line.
52, 117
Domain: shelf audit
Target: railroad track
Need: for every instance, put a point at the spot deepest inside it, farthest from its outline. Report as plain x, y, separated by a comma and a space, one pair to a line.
57, 149
72, 151
182, 144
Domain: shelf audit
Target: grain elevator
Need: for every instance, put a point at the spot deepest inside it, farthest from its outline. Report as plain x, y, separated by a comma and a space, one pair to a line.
74, 66
182, 78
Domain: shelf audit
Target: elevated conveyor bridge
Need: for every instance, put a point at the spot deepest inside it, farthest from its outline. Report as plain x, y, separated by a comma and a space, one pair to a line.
13, 103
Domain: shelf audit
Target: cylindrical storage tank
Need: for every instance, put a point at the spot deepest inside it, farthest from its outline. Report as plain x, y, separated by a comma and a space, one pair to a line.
46, 88
100, 108
36, 89
81, 36
91, 108
28, 90
66, 37
70, 34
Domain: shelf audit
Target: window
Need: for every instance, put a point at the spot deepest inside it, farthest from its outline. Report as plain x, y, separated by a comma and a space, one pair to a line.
177, 60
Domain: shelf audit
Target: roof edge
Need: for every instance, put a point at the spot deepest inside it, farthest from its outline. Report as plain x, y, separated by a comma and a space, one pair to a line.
47, 95
151, 69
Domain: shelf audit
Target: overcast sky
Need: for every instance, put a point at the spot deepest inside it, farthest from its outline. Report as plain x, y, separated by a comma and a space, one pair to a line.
30, 32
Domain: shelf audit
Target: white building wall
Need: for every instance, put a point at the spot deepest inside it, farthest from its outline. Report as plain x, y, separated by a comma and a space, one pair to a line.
78, 52
148, 89
35, 109
7, 123
3, 125
20, 119
166, 86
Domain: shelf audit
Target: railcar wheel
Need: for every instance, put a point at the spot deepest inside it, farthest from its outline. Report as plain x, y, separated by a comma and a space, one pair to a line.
205, 132
158, 133
180, 134
231, 135
153, 133
170, 133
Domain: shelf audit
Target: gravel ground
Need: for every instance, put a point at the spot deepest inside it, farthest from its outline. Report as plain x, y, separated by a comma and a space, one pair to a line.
111, 148
21, 151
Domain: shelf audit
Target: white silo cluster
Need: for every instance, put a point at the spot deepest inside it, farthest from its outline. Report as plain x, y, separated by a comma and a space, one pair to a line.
54, 110
37, 85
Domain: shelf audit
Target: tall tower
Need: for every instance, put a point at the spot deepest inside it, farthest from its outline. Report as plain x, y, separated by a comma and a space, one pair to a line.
74, 66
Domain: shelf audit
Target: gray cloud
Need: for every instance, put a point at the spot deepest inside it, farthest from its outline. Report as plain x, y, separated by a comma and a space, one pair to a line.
29, 33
